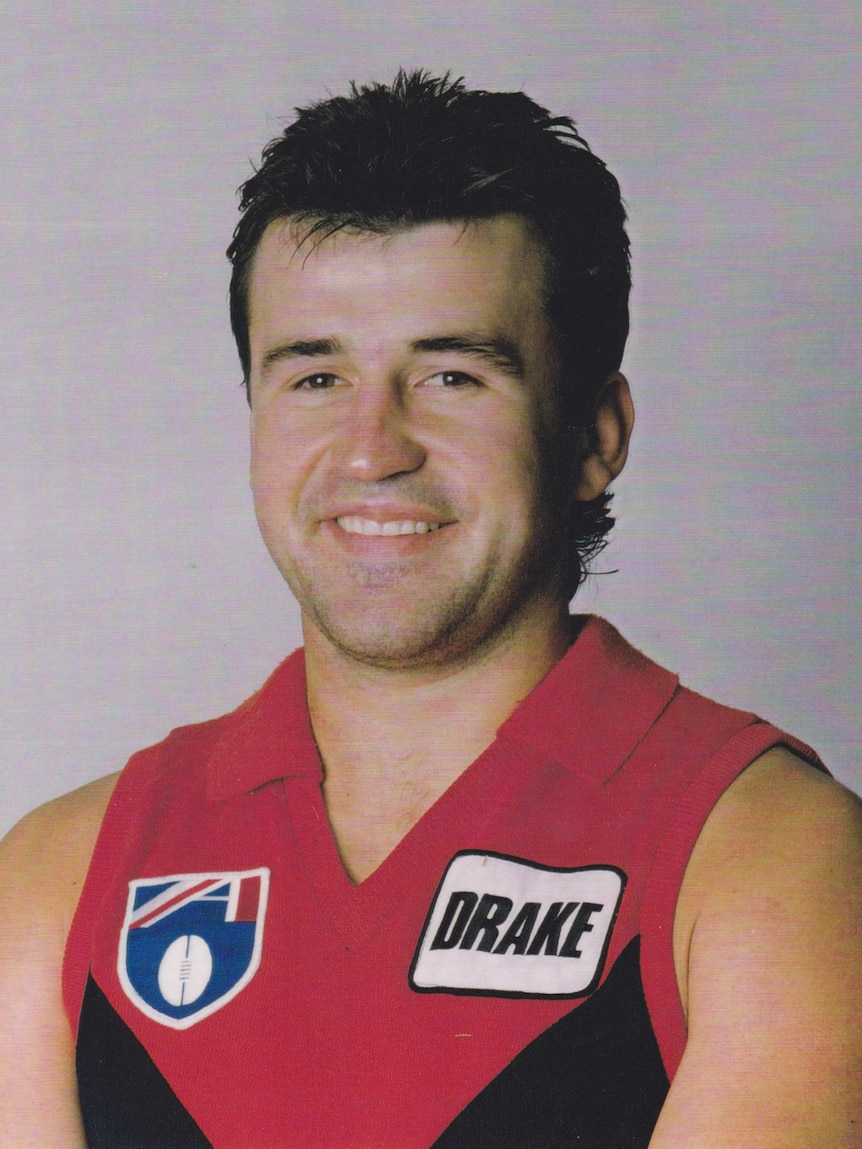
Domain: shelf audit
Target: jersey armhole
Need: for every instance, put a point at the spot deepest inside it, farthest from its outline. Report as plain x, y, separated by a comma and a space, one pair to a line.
107, 853
665, 879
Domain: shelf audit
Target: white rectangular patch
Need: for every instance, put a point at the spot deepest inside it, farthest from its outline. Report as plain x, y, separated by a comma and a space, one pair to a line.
505, 926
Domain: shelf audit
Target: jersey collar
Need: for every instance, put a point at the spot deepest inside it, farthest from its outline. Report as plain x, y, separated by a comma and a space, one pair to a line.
589, 714
595, 706
268, 737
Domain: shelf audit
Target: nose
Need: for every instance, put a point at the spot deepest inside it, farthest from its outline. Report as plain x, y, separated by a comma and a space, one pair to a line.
376, 441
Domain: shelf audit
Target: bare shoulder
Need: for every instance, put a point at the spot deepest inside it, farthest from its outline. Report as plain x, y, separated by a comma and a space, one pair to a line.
768, 952
44, 858
43, 864
781, 826
780, 787
780, 806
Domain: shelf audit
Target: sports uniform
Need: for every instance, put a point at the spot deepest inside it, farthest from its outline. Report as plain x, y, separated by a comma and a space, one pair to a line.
504, 978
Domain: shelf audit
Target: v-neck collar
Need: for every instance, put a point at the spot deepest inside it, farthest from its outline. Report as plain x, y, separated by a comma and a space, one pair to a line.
588, 715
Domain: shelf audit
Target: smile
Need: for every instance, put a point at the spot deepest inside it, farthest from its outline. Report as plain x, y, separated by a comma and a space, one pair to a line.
357, 526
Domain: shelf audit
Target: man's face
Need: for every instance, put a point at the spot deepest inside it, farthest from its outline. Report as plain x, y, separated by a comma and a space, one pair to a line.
401, 399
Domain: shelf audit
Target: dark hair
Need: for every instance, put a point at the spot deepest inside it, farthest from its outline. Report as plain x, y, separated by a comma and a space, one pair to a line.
424, 149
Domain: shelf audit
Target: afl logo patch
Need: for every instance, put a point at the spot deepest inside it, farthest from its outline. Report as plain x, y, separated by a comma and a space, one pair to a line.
513, 928
191, 942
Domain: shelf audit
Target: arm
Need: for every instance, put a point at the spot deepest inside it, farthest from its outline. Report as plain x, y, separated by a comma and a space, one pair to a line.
43, 863
768, 946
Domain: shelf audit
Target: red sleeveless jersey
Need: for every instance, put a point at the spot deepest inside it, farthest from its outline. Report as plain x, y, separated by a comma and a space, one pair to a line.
504, 978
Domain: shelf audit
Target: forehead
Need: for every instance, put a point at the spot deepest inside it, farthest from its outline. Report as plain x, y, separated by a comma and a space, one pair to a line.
484, 273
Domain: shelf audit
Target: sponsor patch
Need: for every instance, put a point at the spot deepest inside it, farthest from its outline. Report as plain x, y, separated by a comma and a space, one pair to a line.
509, 927
191, 942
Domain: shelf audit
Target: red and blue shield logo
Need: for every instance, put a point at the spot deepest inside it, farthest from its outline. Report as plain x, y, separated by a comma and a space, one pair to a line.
191, 942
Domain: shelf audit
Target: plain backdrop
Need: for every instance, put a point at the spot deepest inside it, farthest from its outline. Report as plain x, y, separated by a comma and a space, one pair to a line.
136, 594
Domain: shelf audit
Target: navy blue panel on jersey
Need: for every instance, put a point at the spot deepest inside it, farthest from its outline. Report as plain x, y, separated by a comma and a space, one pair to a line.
594, 1079
125, 1101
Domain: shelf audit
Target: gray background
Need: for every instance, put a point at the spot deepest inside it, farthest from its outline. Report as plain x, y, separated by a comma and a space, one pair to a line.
136, 593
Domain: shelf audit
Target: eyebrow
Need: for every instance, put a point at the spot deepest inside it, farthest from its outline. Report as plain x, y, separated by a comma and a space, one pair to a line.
494, 350
301, 349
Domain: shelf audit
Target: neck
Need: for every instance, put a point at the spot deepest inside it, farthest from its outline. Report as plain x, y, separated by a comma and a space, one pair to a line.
393, 740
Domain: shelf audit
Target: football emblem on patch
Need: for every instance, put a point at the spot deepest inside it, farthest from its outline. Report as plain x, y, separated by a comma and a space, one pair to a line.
191, 942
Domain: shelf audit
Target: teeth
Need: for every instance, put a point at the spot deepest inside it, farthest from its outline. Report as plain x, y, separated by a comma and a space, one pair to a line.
356, 526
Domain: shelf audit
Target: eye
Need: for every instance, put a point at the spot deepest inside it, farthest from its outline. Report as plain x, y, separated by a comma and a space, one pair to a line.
319, 382
452, 379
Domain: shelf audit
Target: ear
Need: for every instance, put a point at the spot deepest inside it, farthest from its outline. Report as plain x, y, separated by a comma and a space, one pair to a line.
607, 439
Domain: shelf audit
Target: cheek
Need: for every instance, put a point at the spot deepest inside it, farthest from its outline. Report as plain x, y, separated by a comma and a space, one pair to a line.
517, 463
272, 485
265, 471
275, 454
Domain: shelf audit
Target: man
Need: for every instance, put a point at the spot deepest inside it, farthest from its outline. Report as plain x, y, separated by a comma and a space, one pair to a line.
469, 871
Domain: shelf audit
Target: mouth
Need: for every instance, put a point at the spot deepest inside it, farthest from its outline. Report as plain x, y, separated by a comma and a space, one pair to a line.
354, 525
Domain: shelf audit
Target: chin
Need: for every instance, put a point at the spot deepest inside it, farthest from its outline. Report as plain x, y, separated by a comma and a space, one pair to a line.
392, 623
394, 636
459, 635
390, 648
